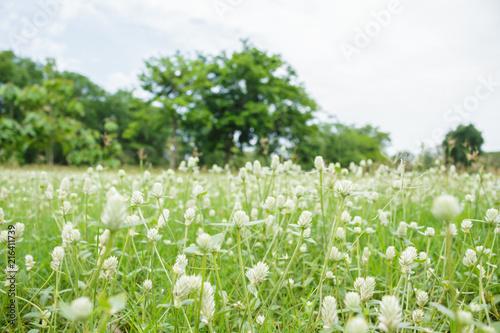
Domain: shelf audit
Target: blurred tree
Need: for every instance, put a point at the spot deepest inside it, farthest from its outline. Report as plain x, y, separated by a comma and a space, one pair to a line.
463, 145
174, 83
344, 144
251, 96
19, 71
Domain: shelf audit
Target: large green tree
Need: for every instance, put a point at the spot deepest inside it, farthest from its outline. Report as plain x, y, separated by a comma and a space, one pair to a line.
251, 96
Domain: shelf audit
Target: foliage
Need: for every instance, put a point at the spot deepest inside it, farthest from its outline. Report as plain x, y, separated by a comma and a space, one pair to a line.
463, 144
228, 106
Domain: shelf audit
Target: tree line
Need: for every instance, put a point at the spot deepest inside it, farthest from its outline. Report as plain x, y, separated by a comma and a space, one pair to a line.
222, 108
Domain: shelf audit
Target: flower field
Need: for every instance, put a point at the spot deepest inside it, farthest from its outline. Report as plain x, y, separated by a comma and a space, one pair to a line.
368, 248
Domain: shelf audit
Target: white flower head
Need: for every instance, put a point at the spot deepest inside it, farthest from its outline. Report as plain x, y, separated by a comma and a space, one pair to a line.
356, 325
329, 311
258, 273
240, 218
446, 208
390, 314
114, 213
137, 198
344, 187
305, 220
352, 300
81, 308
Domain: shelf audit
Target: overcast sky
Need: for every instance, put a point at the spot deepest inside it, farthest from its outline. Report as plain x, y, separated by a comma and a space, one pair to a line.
414, 68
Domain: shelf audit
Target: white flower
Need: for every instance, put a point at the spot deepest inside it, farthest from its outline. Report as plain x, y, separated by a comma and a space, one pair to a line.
356, 325
422, 298
470, 258
466, 225
345, 216
474, 307
492, 216
352, 300
207, 302
367, 288
203, 241
299, 191
257, 273
109, 267
137, 198
275, 162
81, 308
390, 253
429, 232
417, 316
366, 255
189, 216
147, 285
329, 311
390, 314
340, 234
305, 220
157, 190
57, 257
402, 230
407, 258
29, 262
184, 285
344, 187
464, 317
451, 230
260, 320
114, 212
180, 264
4, 236
153, 235
319, 163
446, 208
240, 219
335, 254
269, 204
198, 191
19, 231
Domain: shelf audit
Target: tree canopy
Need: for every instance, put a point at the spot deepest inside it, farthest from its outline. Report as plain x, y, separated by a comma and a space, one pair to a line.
463, 144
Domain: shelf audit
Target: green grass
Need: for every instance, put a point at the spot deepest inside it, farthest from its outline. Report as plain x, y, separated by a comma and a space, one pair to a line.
275, 304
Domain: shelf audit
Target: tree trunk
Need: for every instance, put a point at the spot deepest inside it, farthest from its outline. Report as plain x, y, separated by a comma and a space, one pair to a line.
227, 149
50, 152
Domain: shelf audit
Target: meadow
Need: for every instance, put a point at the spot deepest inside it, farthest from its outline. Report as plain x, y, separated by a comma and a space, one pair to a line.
368, 248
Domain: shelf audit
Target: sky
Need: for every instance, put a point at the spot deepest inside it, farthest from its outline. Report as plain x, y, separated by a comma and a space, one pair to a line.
413, 68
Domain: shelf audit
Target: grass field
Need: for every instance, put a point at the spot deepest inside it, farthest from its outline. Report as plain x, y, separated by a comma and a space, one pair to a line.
268, 249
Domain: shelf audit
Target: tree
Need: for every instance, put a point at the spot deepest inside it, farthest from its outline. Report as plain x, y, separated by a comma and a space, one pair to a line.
343, 143
251, 96
19, 71
174, 83
463, 145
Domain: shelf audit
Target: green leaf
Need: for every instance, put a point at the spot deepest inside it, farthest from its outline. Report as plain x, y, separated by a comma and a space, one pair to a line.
444, 310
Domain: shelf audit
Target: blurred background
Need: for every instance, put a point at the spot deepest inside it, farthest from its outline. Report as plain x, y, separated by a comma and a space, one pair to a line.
121, 82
